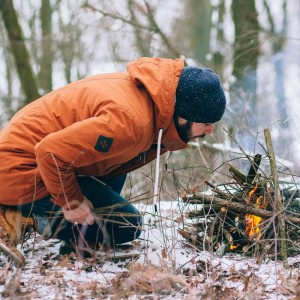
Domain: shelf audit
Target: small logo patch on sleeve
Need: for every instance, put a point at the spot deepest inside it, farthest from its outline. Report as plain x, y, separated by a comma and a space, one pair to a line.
103, 143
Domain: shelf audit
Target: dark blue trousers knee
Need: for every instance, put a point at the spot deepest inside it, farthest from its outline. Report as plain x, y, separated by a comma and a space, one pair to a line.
116, 220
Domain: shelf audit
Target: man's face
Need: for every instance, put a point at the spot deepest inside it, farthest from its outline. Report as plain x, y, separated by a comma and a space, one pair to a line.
189, 131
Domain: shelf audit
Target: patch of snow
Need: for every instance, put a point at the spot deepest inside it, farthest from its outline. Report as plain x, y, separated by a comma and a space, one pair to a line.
48, 275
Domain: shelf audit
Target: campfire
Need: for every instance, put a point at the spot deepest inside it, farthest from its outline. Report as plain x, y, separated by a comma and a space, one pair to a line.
253, 213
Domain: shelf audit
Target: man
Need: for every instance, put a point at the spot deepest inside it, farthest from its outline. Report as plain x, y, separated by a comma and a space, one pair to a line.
64, 157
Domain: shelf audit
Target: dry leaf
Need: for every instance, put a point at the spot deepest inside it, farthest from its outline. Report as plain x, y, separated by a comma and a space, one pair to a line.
164, 253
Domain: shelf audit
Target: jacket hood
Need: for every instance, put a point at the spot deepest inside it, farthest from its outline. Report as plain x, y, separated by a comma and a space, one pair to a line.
160, 78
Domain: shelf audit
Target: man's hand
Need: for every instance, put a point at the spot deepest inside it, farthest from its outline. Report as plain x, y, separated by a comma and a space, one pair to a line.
81, 214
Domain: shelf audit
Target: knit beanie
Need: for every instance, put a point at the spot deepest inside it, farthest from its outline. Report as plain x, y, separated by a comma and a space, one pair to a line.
200, 97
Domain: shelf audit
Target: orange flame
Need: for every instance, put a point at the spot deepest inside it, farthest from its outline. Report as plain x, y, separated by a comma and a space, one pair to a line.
251, 193
252, 222
252, 225
233, 247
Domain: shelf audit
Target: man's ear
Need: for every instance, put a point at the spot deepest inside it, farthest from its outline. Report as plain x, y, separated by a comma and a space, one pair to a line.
181, 121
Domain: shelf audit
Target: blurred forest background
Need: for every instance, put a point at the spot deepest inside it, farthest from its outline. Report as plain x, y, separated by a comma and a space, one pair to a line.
253, 45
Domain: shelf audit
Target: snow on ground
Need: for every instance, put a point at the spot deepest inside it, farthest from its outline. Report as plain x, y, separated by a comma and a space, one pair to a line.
160, 265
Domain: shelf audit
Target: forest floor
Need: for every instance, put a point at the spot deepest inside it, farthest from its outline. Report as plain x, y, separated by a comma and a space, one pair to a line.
160, 265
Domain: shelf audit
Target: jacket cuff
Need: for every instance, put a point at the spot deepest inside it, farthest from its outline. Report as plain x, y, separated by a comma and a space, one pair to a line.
76, 201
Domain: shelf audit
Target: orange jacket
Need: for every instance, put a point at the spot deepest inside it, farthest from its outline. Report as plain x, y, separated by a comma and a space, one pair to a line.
100, 125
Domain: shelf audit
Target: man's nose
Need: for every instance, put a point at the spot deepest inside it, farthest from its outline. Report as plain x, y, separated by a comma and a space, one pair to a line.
209, 129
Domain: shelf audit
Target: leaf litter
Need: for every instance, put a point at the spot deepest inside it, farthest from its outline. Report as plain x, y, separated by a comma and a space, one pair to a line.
159, 265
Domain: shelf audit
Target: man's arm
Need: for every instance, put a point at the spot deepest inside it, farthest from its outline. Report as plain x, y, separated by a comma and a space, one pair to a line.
82, 144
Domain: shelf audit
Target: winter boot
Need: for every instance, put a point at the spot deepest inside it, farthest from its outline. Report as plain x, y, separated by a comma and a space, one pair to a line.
13, 227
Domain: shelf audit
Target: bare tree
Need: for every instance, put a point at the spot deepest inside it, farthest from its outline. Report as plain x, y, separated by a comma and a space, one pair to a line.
47, 52
200, 22
19, 50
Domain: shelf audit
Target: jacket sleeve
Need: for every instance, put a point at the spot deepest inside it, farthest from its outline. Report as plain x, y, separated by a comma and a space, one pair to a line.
81, 144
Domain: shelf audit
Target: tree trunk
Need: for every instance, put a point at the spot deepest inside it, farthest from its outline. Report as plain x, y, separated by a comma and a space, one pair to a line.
19, 50
200, 28
246, 47
142, 37
246, 53
47, 54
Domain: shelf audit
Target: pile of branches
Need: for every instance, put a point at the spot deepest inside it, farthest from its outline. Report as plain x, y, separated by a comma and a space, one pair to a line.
254, 213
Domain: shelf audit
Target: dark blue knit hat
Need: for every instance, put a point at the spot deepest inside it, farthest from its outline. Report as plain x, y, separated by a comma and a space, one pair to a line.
200, 97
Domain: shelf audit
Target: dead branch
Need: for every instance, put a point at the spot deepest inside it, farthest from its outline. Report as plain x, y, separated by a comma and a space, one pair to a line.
152, 27
254, 168
237, 175
235, 207
277, 195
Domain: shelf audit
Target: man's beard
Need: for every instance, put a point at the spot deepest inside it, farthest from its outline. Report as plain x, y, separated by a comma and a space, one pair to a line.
184, 131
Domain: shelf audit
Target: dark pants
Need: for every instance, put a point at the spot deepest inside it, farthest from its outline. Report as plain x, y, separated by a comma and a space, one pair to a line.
118, 221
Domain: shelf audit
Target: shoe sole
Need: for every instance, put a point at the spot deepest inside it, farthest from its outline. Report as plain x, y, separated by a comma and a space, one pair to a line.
17, 257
